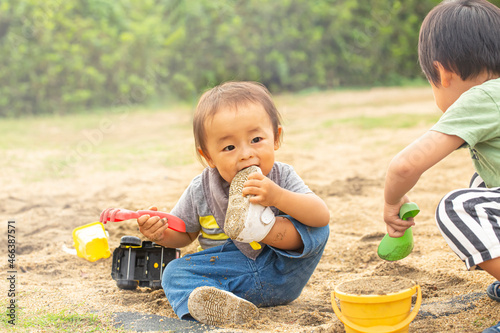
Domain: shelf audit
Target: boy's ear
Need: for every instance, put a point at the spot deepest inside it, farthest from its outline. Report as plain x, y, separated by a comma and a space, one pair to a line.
277, 139
445, 75
206, 157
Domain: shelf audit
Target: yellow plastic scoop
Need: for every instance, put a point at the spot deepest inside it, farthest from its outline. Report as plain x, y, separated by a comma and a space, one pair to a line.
397, 248
91, 241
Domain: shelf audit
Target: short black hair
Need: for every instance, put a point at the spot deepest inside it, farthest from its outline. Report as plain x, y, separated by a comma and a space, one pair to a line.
462, 35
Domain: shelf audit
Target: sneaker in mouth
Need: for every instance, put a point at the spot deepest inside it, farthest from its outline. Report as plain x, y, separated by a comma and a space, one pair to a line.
246, 222
237, 206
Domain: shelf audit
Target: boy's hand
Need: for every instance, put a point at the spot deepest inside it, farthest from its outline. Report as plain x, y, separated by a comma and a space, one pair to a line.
152, 227
396, 227
265, 192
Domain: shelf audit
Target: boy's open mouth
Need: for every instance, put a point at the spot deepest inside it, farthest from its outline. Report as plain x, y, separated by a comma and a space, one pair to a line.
248, 166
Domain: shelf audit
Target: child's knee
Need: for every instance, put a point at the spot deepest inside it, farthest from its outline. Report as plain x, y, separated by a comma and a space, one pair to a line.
171, 273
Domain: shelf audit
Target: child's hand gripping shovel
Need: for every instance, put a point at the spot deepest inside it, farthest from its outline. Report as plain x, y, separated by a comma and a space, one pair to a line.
397, 248
118, 214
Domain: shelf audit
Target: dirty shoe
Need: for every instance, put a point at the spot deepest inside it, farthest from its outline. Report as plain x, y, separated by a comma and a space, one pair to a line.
493, 329
246, 222
493, 291
216, 307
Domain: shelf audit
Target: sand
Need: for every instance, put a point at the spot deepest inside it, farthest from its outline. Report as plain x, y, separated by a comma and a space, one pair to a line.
327, 138
375, 286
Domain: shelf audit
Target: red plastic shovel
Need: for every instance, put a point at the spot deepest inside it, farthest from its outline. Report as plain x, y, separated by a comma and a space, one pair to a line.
118, 214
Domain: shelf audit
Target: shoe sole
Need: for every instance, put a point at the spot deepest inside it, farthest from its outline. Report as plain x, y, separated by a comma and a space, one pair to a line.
237, 208
216, 307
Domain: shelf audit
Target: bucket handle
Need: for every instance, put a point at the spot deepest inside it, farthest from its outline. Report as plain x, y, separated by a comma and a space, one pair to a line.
378, 329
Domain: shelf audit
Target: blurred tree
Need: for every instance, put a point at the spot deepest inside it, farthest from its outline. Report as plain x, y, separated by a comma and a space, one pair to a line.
58, 56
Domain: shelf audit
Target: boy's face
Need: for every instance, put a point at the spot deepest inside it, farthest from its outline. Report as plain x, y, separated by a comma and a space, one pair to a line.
239, 138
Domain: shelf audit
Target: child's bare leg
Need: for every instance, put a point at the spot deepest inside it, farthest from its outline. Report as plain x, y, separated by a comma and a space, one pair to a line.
284, 236
492, 266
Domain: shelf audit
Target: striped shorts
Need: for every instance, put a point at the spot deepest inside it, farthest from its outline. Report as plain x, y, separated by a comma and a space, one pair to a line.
469, 220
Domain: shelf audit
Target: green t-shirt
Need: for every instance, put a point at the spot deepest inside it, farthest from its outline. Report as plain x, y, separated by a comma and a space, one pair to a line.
475, 117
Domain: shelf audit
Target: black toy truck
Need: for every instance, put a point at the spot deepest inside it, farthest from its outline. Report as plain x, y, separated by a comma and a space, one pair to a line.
140, 264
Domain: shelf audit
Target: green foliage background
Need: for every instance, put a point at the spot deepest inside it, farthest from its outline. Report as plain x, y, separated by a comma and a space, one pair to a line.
60, 56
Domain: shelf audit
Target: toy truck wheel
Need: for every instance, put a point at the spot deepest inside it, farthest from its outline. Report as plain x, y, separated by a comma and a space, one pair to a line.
130, 241
156, 285
127, 284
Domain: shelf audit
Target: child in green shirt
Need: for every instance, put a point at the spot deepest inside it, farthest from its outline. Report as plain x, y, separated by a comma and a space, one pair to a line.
459, 52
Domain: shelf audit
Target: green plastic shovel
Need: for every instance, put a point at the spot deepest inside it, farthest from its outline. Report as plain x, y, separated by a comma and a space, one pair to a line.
397, 248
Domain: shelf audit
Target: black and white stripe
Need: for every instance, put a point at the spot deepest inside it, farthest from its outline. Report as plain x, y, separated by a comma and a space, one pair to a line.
469, 220
476, 181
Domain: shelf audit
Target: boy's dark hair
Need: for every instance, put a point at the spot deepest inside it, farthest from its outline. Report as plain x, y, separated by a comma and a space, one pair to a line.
232, 95
462, 35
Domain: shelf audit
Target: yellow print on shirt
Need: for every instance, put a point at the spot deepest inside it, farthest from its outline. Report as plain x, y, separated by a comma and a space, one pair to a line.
208, 222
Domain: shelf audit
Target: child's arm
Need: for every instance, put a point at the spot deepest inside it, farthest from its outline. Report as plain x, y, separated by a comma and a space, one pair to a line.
406, 168
156, 229
308, 208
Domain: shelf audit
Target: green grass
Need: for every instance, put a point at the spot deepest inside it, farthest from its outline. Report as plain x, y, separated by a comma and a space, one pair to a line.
388, 121
482, 322
400, 82
64, 320
53, 146
51, 130
46, 130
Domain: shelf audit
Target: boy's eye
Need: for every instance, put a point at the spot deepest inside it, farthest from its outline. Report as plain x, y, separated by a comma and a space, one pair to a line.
229, 148
257, 139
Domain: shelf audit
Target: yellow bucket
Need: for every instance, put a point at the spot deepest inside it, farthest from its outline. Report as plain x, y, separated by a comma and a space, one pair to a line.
377, 313
91, 241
